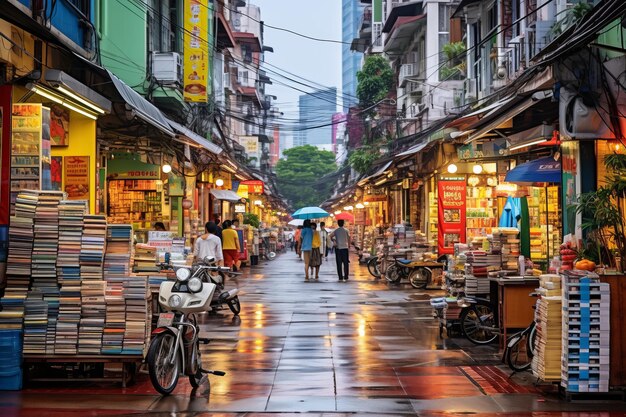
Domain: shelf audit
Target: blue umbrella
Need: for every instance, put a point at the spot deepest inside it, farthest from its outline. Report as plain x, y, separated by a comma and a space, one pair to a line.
539, 170
310, 213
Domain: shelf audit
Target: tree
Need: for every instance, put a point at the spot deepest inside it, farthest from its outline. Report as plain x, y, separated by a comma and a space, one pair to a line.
375, 81
300, 172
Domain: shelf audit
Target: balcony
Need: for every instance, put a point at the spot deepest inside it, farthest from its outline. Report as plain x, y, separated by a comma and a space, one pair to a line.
365, 26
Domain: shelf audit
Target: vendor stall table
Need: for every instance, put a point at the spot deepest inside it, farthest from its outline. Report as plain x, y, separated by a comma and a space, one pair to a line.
514, 305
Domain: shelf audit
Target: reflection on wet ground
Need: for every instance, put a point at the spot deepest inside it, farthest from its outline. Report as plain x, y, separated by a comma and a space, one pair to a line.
322, 348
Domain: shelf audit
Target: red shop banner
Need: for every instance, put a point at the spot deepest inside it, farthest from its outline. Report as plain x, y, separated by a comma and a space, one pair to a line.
452, 192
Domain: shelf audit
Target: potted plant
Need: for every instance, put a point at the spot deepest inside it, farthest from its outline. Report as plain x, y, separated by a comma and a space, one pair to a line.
603, 216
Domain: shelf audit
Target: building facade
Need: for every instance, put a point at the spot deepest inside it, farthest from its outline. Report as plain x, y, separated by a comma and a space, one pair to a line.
352, 14
316, 113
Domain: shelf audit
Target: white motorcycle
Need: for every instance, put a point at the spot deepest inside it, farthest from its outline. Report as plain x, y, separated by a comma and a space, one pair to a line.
212, 273
175, 345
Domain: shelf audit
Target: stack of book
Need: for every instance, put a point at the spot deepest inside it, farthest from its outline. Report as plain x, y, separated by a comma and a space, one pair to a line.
92, 247
20, 254
71, 213
510, 248
93, 286
546, 364
116, 272
145, 258
35, 323
138, 317
92, 317
480, 264
585, 333
69, 319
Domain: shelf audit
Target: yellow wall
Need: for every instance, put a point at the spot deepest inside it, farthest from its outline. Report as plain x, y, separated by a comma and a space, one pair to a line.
82, 143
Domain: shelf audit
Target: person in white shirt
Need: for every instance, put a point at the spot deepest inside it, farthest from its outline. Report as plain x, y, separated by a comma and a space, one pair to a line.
209, 245
324, 236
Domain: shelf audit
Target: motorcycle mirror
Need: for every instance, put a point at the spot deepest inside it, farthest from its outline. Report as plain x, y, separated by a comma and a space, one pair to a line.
209, 260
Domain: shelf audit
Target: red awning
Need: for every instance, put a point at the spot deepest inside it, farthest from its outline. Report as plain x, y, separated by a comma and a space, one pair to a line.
224, 32
250, 39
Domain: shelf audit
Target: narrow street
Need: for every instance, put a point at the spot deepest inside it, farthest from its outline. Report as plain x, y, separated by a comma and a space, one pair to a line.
321, 349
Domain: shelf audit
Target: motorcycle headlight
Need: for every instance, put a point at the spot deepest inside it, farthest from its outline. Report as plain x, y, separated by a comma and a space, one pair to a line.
174, 301
195, 284
182, 274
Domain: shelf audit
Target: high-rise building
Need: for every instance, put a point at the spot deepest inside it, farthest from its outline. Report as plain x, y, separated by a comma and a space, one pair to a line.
352, 12
316, 113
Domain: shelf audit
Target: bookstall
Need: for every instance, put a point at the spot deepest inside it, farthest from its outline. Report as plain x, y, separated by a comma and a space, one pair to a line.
70, 289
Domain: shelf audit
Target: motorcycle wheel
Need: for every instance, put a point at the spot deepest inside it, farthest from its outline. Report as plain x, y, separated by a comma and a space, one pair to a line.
163, 374
372, 267
473, 322
419, 277
393, 274
235, 305
195, 379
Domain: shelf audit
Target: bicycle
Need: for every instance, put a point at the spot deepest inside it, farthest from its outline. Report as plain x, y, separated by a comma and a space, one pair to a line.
520, 349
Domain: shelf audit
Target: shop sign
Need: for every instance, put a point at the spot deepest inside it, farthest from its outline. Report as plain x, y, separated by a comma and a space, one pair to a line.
373, 198
474, 150
452, 207
359, 217
127, 169
77, 177
196, 47
240, 208
242, 191
254, 186
251, 143
571, 180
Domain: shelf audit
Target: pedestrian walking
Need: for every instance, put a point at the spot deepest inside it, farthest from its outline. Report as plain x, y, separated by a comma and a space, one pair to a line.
316, 254
209, 245
324, 238
230, 245
306, 246
341, 238
297, 237
219, 228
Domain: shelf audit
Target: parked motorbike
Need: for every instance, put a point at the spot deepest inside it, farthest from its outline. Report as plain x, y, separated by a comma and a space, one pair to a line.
175, 346
217, 276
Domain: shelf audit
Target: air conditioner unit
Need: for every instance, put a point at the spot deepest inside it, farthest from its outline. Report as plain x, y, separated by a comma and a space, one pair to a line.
167, 67
579, 121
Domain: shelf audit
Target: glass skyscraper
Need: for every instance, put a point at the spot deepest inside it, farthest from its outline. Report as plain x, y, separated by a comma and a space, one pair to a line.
352, 10
316, 114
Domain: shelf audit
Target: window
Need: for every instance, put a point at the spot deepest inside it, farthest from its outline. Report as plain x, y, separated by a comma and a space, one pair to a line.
163, 32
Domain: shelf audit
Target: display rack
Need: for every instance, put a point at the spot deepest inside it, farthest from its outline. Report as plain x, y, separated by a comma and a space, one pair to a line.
545, 223
25, 149
136, 201
481, 211
433, 218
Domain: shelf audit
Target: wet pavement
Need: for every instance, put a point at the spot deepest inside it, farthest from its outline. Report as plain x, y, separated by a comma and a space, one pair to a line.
323, 348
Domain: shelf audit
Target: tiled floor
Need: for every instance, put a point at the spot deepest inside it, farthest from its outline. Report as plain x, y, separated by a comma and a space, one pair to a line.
321, 348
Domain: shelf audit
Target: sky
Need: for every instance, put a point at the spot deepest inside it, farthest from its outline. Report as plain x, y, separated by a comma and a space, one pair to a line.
319, 62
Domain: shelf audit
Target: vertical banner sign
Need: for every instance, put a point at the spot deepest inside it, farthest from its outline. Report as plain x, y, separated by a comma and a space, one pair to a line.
570, 188
452, 193
77, 177
196, 47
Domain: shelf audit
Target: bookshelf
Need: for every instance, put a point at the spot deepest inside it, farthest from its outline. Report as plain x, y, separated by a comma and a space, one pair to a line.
25, 149
135, 201
481, 211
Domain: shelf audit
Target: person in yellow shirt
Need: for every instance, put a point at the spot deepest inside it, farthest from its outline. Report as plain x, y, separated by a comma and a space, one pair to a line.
230, 244
316, 255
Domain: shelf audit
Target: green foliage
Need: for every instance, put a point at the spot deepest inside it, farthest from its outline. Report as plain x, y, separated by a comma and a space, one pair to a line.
299, 175
375, 80
572, 16
251, 219
603, 212
454, 68
362, 159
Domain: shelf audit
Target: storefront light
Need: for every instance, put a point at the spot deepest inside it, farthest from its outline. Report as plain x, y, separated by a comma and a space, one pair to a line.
62, 102
80, 100
477, 169
258, 202
166, 168
359, 205
338, 212
366, 203
452, 168
219, 182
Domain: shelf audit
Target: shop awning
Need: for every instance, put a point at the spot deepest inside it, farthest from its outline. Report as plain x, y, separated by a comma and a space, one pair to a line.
415, 149
545, 170
378, 173
500, 118
225, 195
141, 107
469, 118
194, 137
